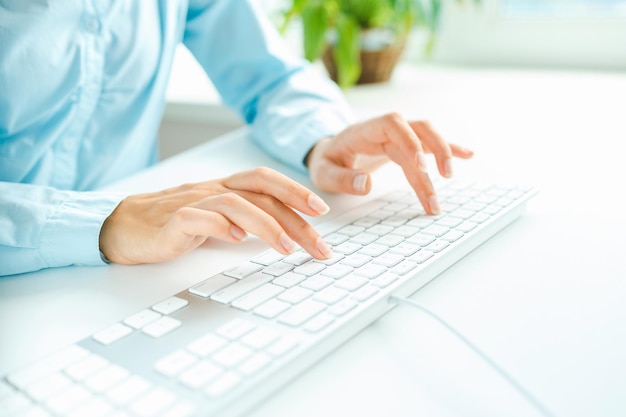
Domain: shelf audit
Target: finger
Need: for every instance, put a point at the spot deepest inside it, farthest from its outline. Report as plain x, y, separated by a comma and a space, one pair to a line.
461, 152
251, 218
193, 221
335, 178
267, 181
436, 145
293, 224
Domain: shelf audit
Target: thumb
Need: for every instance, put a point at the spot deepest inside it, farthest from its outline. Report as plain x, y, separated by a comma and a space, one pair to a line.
334, 178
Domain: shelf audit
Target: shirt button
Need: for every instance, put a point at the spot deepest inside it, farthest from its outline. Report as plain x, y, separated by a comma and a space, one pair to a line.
92, 24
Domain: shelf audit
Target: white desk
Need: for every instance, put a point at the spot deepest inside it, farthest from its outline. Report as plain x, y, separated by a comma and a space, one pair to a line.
544, 298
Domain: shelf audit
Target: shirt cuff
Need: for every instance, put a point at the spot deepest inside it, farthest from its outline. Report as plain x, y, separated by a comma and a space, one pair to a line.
71, 236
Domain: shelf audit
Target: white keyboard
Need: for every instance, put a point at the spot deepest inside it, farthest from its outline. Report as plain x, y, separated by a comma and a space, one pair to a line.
230, 341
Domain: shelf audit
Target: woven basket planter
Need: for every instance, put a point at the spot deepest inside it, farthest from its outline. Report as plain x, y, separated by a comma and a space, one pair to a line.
376, 66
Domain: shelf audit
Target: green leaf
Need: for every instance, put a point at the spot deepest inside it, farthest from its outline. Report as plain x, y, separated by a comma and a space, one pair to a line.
347, 51
315, 25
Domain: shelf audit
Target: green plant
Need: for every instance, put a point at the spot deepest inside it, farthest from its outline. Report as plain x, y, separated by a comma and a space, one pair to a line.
345, 20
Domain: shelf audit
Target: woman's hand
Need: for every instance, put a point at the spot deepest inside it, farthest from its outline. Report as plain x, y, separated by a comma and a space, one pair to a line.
343, 163
159, 226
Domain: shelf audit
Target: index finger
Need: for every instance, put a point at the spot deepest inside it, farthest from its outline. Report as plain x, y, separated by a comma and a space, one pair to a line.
264, 180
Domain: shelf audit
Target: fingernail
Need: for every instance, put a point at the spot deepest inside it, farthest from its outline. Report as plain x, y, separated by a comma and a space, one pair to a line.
238, 233
317, 204
287, 244
421, 161
434, 205
447, 168
324, 249
359, 183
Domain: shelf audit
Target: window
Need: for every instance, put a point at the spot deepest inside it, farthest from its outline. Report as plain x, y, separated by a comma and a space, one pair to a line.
586, 34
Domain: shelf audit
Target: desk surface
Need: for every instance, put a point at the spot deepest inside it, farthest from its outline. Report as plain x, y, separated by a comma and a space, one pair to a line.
544, 298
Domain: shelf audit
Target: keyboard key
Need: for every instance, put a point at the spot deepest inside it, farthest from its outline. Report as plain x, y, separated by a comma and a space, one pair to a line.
366, 221
356, 260
106, 378
351, 283
421, 222
300, 313
309, 269
232, 292
112, 334
405, 249
438, 246
298, 258
255, 363
373, 250
403, 268
260, 338
289, 280
422, 256
435, 230
351, 230
46, 387
180, 409
153, 403
347, 248
267, 258
47, 366
330, 295
231, 355
364, 238
449, 221
388, 259
138, 320
283, 346
252, 299
380, 229
342, 307
235, 328
370, 270
405, 231
334, 239
295, 295
96, 407
68, 400
210, 286
337, 271
319, 322
170, 305
364, 293
86, 367
336, 257
199, 374
317, 282
452, 236
271, 308
174, 363
242, 271
278, 269
421, 240
161, 327
206, 344
395, 221
223, 384
466, 227
389, 240
385, 280
128, 390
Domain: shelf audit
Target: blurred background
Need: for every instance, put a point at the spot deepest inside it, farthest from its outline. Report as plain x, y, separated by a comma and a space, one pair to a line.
533, 35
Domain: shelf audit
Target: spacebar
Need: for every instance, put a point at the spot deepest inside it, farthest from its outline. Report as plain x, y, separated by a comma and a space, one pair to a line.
241, 287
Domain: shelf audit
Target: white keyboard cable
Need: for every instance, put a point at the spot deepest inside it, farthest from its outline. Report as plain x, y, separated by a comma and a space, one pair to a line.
520, 389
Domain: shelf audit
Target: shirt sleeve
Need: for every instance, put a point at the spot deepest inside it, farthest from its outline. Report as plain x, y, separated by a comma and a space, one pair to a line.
289, 104
41, 227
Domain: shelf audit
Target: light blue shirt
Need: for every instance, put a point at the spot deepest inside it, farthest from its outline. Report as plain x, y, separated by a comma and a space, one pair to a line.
82, 92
